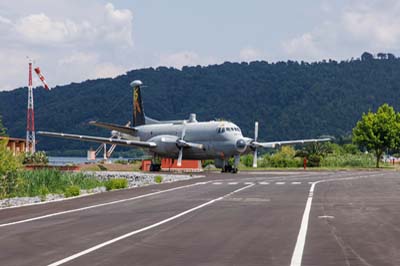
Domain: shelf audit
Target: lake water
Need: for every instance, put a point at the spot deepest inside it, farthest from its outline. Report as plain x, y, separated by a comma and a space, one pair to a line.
76, 160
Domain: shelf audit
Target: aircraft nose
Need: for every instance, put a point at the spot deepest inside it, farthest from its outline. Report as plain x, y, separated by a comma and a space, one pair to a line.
240, 145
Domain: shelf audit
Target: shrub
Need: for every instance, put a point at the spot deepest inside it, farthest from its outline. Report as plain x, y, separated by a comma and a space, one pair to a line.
348, 160
247, 160
39, 157
41, 182
158, 179
117, 183
9, 166
283, 158
72, 191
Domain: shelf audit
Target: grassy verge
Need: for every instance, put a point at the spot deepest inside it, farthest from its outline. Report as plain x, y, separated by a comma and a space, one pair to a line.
43, 182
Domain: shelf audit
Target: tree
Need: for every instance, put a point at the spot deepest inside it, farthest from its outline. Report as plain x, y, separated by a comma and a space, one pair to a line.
367, 56
378, 131
2, 129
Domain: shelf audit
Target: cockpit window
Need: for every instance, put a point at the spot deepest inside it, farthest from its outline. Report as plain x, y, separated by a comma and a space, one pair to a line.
228, 129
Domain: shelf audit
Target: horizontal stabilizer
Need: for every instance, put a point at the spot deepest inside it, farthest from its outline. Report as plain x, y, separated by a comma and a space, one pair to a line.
119, 128
123, 142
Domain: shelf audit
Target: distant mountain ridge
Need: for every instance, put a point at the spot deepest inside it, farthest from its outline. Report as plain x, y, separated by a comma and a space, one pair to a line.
290, 99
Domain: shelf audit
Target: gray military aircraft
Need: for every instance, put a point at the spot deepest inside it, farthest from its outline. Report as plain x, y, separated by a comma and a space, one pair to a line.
183, 139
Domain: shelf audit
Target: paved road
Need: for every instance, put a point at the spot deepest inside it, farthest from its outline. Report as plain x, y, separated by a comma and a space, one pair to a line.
254, 218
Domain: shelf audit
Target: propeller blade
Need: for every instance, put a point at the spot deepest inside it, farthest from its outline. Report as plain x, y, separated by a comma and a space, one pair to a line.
256, 131
180, 157
255, 158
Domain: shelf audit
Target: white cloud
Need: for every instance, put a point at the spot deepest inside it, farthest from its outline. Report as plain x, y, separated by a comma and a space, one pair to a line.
303, 47
70, 46
39, 28
108, 70
250, 54
184, 58
360, 26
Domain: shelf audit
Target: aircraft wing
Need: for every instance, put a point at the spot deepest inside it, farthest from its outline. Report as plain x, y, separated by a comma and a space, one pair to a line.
274, 144
123, 142
119, 128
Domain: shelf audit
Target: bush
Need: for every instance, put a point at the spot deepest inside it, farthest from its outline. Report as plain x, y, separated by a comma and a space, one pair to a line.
283, 159
158, 179
72, 191
9, 166
42, 182
348, 160
117, 183
247, 160
39, 157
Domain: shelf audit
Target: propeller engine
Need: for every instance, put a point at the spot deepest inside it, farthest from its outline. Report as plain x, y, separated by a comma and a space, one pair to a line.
182, 143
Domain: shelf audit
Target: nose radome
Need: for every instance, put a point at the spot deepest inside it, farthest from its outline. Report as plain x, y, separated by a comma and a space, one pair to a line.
241, 144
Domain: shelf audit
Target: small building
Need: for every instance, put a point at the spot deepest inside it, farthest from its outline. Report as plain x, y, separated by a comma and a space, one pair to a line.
168, 164
15, 145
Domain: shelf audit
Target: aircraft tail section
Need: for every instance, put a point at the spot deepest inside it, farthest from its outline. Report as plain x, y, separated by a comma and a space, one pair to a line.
138, 117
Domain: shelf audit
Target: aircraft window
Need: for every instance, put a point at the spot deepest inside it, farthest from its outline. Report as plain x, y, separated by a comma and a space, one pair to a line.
219, 130
232, 129
228, 129
222, 130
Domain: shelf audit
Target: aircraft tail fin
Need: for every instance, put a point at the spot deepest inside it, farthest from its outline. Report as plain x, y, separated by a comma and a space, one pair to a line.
138, 117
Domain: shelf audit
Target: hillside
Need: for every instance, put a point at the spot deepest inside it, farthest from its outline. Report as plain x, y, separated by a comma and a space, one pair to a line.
289, 99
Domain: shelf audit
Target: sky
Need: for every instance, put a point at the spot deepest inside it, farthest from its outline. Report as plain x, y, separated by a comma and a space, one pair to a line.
75, 40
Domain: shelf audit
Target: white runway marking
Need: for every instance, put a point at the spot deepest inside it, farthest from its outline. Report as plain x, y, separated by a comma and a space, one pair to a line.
296, 183
263, 183
232, 183
280, 183
301, 238
94, 206
248, 183
89, 250
217, 183
201, 183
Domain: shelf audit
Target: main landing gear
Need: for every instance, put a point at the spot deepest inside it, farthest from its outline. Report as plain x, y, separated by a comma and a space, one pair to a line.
228, 168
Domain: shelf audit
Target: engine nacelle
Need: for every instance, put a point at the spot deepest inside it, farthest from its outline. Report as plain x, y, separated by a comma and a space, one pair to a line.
166, 145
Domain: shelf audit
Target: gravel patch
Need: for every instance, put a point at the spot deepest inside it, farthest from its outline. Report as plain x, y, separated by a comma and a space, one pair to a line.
135, 179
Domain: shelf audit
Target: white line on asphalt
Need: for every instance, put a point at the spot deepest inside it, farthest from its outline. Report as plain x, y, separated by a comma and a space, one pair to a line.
280, 183
301, 238
217, 183
263, 183
232, 183
94, 206
296, 183
109, 242
248, 183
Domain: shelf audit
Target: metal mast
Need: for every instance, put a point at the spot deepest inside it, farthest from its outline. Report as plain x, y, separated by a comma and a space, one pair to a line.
30, 116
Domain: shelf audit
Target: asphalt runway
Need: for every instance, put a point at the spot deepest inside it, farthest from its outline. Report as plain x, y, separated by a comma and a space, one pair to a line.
251, 218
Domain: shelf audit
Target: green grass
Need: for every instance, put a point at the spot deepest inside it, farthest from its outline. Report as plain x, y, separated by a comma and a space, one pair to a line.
72, 191
158, 179
117, 183
43, 182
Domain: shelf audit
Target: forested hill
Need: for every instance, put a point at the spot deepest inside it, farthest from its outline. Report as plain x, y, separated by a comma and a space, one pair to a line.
290, 99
